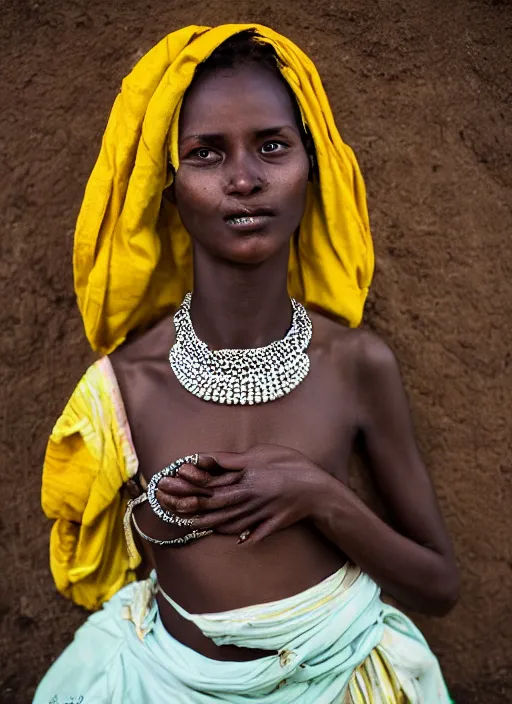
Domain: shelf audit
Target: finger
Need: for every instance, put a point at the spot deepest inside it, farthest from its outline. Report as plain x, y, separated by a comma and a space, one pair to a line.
192, 474
178, 486
264, 529
225, 479
179, 504
225, 497
207, 462
221, 498
217, 518
237, 526
215, 461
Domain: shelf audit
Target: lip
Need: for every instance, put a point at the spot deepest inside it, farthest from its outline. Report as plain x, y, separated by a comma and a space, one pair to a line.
245, 219
247, 211
249, 223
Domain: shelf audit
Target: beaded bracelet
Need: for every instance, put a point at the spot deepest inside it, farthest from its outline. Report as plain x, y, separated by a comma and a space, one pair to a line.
169, 471
150, 496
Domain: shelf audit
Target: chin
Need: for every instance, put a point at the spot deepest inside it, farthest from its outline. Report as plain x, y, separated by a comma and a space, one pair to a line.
252, 250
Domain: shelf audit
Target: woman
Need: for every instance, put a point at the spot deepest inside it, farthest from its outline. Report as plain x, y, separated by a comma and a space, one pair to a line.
232, 422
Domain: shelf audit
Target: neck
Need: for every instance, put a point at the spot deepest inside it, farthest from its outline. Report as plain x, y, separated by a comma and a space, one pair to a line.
240, 307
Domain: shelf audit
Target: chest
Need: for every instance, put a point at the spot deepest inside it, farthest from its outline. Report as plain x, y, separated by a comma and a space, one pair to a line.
167, 422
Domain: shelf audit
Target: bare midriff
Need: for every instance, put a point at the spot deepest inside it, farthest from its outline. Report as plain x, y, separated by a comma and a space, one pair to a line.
217, 574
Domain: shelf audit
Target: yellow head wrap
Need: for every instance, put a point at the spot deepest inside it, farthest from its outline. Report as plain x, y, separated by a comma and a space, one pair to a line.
133, 257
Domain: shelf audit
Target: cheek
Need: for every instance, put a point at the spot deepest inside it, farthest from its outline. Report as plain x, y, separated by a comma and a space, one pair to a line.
293, 183
195, 194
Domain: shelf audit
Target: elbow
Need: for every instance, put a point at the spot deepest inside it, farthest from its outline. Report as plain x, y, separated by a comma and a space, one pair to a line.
445, 592
444, 603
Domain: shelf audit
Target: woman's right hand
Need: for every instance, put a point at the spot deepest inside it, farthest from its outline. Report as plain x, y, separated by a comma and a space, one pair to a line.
182, 494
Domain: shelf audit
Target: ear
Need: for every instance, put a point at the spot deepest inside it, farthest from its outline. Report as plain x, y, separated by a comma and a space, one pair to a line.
169, 190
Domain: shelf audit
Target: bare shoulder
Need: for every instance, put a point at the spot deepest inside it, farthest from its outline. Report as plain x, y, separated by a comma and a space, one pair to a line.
151, 345
361, 346
370, 368
375, 356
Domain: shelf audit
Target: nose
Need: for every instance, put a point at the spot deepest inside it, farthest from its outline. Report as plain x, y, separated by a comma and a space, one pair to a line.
245, 175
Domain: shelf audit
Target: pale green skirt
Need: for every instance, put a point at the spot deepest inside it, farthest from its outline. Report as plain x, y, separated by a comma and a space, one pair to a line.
335, 643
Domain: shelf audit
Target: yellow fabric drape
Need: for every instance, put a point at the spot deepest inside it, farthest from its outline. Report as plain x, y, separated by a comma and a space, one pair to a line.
89, 458
132, 255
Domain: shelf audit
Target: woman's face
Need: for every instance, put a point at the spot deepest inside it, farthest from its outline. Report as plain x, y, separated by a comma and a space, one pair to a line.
241, 184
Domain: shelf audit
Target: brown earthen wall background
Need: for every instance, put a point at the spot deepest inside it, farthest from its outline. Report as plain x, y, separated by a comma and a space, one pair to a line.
422, 91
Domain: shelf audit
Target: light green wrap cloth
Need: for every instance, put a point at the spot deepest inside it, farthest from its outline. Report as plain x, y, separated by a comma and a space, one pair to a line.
326, 644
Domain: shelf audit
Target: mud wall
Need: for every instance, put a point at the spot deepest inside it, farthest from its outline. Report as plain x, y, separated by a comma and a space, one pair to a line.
421, 90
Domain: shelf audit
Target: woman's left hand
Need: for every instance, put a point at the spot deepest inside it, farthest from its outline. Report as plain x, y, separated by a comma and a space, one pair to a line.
277, 487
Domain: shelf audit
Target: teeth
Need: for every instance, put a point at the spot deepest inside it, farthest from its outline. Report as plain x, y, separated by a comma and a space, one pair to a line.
240, 221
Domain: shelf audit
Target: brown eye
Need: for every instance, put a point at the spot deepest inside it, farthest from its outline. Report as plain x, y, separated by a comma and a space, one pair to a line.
271, 147
205, 154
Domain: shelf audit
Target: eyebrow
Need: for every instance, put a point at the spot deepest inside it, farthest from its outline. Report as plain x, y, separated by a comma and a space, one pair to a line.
219, 136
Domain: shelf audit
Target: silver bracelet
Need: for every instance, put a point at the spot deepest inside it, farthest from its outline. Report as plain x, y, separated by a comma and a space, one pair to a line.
149, 495
183, 540
169, 471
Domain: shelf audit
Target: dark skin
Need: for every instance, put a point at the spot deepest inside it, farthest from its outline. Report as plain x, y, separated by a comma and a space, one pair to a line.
279, 469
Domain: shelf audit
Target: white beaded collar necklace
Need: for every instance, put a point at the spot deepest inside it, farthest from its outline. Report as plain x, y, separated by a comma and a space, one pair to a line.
247, 376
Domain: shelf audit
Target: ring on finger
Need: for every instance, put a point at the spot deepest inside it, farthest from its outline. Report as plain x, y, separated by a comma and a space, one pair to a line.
243, 536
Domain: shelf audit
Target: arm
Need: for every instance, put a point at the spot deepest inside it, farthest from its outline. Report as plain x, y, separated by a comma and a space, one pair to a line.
413, 563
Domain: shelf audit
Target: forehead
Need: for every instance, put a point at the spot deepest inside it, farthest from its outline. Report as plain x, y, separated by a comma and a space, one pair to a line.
249, 97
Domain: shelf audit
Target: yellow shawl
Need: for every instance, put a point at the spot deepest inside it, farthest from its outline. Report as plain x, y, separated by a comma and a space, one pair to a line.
132, 262
132, 255
90, 456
